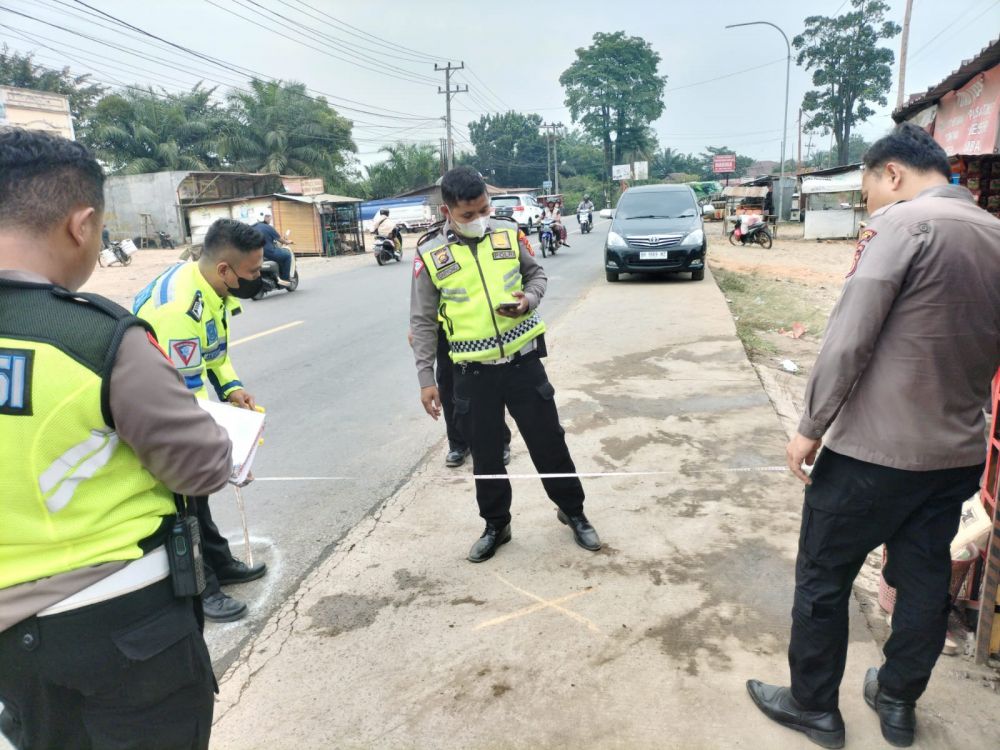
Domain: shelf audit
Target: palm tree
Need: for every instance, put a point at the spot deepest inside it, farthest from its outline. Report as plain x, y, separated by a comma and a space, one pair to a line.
407, 167
141, 130
279, 127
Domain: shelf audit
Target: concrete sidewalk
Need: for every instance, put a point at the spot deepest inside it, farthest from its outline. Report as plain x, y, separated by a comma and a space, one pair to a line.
395, 641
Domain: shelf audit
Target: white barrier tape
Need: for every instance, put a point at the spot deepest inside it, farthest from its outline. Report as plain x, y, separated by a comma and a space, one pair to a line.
578, 475
600, 474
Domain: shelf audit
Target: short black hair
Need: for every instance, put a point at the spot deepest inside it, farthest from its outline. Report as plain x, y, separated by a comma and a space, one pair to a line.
911, 145
226, 233
384, 212
43, 177
462, 184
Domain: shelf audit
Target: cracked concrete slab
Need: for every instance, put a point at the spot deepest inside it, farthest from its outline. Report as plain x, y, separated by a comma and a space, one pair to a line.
395, 641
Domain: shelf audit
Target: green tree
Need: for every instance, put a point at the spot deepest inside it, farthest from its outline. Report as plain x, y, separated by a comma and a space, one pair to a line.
667, 161
510, 149
279, 127
580, 156
141, 130
408, 166
855, 151
21, 71
850, 70
614, 85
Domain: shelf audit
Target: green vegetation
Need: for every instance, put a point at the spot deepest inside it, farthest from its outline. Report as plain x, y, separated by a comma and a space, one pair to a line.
850, 70
763, 305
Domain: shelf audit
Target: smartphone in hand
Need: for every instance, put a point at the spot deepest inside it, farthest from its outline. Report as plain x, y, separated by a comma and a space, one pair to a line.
508, 307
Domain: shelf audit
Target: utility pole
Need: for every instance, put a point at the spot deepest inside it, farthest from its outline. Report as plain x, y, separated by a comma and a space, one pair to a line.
443, 154
798, 160
904, 43
552, 171
448, 90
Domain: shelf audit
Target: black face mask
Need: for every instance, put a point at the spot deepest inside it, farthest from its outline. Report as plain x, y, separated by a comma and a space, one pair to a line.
246, 288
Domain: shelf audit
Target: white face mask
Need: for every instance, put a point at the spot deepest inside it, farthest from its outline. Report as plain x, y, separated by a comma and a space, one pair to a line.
476, 228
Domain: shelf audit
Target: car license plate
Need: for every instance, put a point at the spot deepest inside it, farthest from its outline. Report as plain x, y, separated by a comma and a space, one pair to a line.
654, 255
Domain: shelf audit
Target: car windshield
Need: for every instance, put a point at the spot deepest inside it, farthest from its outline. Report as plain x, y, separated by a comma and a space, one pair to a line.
667, 204
503, 201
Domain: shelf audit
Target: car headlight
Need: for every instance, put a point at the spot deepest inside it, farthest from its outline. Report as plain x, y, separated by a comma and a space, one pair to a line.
616, 241
697, 237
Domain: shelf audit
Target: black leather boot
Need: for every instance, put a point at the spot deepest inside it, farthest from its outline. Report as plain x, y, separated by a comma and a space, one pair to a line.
825, 728
584, 533
897, 717
486, 546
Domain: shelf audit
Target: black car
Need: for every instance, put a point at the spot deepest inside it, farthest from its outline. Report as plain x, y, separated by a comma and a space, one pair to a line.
656, 229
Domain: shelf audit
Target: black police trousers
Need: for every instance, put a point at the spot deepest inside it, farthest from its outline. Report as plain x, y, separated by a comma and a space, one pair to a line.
215, 552
130, 673
445, 376
481, 393
851, 508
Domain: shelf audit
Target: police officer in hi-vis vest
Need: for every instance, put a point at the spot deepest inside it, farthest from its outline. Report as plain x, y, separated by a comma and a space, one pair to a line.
97, 433
189, 306
473, 274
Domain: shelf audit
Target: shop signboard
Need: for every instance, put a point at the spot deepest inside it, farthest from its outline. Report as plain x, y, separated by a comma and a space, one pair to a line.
967, 119
621, 172
724, 163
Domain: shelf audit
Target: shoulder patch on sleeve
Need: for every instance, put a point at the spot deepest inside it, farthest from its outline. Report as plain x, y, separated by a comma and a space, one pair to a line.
863, 240
197, 307
185, 353
418, 264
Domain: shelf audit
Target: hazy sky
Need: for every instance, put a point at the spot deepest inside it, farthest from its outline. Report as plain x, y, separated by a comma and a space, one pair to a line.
514, 54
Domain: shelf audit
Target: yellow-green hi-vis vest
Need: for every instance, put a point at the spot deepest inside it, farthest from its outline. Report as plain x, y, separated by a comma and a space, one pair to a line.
71, 493
472, 284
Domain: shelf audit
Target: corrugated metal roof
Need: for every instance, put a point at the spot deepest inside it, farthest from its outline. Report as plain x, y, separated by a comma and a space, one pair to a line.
987, 58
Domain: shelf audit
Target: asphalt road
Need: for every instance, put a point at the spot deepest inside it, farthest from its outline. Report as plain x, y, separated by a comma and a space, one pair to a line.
343, 404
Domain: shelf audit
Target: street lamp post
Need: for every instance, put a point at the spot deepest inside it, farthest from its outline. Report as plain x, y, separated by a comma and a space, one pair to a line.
613, 135
784, 122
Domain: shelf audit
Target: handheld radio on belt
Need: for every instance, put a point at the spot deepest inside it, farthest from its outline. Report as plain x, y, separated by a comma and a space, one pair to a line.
184, 552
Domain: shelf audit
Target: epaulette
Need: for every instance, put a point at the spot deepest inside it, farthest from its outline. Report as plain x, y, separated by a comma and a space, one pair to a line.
433, 232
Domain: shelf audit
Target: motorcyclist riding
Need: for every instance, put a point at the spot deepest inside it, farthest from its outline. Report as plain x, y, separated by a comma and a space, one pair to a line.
381, 226
551, 211
280, 255
587, 205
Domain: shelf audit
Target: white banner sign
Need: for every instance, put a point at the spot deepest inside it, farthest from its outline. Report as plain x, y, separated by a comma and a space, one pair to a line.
621, 172
641, 170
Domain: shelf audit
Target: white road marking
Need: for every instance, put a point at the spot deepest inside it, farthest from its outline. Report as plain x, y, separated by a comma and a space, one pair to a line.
268, 332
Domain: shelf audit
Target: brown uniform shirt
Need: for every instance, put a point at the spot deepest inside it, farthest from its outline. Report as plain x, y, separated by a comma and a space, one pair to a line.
914, 340
174, 438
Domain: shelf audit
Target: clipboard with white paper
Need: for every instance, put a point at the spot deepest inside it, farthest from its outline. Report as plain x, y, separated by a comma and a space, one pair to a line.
244, 427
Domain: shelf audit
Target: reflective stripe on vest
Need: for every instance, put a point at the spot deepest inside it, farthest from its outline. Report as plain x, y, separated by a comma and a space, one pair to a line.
80, 462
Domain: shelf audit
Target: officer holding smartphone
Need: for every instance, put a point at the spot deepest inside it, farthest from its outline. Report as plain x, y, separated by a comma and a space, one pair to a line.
481, 280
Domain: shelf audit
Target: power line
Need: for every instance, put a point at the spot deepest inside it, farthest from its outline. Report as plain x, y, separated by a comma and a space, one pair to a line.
341, 58
239, 70
926, 44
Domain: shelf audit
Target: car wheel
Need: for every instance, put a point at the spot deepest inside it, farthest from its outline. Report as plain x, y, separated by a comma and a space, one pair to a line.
611, 275
529, 225
698, 275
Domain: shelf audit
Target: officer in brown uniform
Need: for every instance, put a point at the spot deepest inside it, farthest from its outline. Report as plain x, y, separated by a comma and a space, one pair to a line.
896, 395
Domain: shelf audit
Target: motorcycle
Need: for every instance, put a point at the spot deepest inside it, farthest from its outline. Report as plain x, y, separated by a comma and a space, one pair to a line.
547, 237
271, 279
389, 248
166, 241
118, 252
750, 233
585, 220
